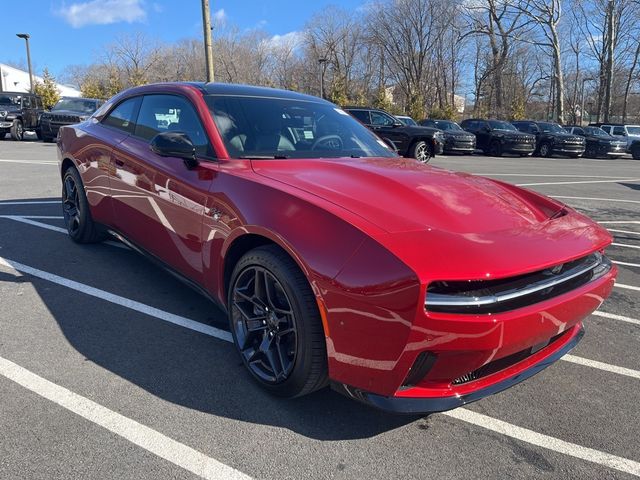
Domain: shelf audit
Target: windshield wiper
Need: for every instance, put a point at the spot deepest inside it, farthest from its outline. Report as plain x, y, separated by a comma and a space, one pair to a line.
264, 157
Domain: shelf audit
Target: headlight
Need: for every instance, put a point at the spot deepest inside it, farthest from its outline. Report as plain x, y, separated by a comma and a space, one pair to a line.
3, 113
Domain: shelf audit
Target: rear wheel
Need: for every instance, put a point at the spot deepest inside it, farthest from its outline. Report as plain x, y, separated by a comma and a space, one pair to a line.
75, 209
276, 324
17, 130
590, 152
495, 149
422, 151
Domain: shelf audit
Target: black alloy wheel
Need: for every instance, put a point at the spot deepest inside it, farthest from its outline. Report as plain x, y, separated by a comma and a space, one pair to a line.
71, 205
75, 209
495, 149
264, 325
276, 324
17, 130
545, 150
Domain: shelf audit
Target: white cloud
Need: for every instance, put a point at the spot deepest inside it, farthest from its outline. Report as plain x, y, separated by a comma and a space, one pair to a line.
291, 39
220, 16
102, 12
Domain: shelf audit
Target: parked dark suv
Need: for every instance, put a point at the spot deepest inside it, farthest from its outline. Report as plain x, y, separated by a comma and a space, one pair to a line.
66, 112
598, 142
456, 140
495, 137
552, 139
417, 142
19, 112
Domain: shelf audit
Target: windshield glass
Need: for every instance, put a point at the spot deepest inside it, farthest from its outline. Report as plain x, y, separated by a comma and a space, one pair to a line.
13, 100
445, 125
597, 131
498, 125
261, 127
407, 121
76, 105
551, 127
633, 130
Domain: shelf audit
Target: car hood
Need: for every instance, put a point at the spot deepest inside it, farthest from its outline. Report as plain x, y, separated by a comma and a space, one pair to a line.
400, 195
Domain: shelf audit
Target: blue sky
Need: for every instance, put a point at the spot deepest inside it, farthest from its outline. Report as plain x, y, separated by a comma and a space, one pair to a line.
73, 31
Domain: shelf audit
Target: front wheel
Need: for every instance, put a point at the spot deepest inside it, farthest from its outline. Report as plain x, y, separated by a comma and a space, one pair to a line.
545, 150
17, 130
75, 209
276, 324
635, 152
495, 149
422, 151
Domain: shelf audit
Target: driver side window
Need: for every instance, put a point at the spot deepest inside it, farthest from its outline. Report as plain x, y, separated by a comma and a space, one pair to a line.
381, 120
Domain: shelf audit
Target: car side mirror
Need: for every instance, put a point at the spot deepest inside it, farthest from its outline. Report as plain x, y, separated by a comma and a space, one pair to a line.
397, 124
174, 144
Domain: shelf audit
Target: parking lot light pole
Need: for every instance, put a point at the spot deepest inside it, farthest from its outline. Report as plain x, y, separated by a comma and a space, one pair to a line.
322, 62
588, 79
26, 39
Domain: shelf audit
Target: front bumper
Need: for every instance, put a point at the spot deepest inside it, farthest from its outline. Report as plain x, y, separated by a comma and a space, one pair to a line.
568, 148
417, 405
506, 348
457, 145
4, 124
518, 147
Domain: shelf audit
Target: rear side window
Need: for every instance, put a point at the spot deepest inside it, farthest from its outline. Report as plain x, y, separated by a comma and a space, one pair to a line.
618, 131
123, 116
380, 119
362, 115
26, 102
39, 103
164, 113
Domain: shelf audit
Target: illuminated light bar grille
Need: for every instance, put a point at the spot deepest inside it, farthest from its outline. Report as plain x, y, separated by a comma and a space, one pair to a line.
492, 296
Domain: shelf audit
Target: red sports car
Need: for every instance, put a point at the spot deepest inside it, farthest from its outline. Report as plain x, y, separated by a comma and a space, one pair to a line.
408, 287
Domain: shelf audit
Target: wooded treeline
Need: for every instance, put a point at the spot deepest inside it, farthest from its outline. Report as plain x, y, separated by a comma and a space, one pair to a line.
510, 59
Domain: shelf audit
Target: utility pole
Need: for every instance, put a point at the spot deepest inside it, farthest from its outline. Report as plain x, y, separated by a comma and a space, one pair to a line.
322, 62
26, 39
208, 44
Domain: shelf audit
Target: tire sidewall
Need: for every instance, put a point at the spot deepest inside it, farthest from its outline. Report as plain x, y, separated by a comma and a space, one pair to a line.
428, 148
85, 215
297, 380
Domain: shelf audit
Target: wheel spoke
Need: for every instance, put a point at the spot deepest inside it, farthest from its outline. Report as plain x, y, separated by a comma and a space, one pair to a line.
267, 349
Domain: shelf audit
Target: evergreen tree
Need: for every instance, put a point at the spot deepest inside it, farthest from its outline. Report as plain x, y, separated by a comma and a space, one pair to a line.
48, 90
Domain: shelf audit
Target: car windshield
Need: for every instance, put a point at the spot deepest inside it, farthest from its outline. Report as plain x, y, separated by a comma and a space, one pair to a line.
76, 105
445, 125
633, 130
265, 127
597, 131
498, 125
407, 121
13, 100
551, 128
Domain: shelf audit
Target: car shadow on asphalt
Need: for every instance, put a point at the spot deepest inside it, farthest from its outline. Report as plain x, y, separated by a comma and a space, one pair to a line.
179, 365
633, 186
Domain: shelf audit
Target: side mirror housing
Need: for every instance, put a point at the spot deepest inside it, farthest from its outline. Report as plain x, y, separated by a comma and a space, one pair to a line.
174, 144
397, 124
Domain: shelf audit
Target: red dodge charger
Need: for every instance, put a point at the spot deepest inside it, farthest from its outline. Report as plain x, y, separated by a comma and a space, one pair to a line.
408, 287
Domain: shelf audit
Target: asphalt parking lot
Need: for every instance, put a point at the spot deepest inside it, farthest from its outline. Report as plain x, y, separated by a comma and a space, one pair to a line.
111, 368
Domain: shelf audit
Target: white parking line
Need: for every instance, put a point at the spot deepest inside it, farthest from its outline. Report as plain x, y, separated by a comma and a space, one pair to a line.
118, 300
597, 199
613, 316
625, 245
628, 287
627, 372
629, 232
147, 438
580, 182
496, 425
53, 228
34, 202
620, 222
543, 175
545, 441
29, 162
43, 217
626, 264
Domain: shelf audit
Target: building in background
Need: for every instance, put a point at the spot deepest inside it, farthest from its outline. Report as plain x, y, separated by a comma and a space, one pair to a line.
15, 80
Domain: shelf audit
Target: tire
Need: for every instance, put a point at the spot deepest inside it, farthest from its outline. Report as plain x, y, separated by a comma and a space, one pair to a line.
495, 149
17, 130
47, 139
590, 152
635, 152
302, 367
545, 150
75, 209
421, 151
39, 134
575, 155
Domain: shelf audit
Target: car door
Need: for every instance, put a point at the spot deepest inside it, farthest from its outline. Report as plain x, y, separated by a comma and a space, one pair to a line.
483, 134
163, 201
28, 121
383, 125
